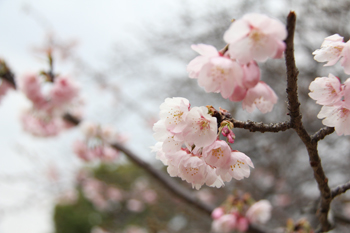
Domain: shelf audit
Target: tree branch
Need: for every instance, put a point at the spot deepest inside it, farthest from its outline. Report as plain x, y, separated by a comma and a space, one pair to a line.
340, 189
296, 124
261, 127
165, 180
322, 133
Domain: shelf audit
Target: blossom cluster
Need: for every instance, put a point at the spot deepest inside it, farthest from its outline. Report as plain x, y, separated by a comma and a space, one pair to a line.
106, 197
234, 72
335, 98
238, 213
189, 145
50, 101
97, 143
329, 91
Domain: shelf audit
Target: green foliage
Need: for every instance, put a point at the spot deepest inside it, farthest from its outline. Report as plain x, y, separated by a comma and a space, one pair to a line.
74, 218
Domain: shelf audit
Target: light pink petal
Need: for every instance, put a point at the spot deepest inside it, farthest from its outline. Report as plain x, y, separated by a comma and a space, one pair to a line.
236, 31
205, 50
239, 93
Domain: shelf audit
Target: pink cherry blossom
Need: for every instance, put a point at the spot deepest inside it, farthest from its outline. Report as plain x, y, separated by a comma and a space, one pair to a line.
217, 154
217, 213
31, 86
206, 52
220, 74
237, 167
345, 61
251, 74
149, 196
326, 90
40, 124
82, 151
259, 212
194, 170
242, 224
255, 37
174, 111
331, 50
135, 205
201, 128
63, 91
261, 96
337, 116
239, 93
225, 224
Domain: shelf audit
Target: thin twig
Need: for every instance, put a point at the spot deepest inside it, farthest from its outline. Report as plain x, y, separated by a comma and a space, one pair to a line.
322, 133
340, 189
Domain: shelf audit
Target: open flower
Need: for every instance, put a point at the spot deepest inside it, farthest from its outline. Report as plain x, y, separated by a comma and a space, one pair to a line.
206, 52
201, 127
261, 96
330, 51
259, 212
255, 37
326, 90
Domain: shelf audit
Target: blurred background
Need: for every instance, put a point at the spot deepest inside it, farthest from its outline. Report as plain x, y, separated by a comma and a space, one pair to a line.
128, 56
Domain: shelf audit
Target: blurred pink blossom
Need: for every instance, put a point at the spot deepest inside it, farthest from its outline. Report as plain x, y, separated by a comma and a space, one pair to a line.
255, 37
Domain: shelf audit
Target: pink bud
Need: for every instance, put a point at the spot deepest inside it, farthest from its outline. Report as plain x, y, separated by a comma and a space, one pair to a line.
230, 138
242, 224
225, 131
217, 213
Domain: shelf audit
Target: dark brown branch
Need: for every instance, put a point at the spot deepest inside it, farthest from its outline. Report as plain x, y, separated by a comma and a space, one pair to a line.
261, 127
252, 126
340, 189
322, 133
296, 124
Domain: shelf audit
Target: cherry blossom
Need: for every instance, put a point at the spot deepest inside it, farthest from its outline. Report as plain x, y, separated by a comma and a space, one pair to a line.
217, 213
337, 116
326, 90
31, 87
63, 91
201, 127
237, 167
206, 52
217, 154
331, 50
251, 74
224, 224
345, 61
40, 124
242, 224
255, 37
97, 143
188, 145
259, 212
174, 111
220, 74
261, 96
